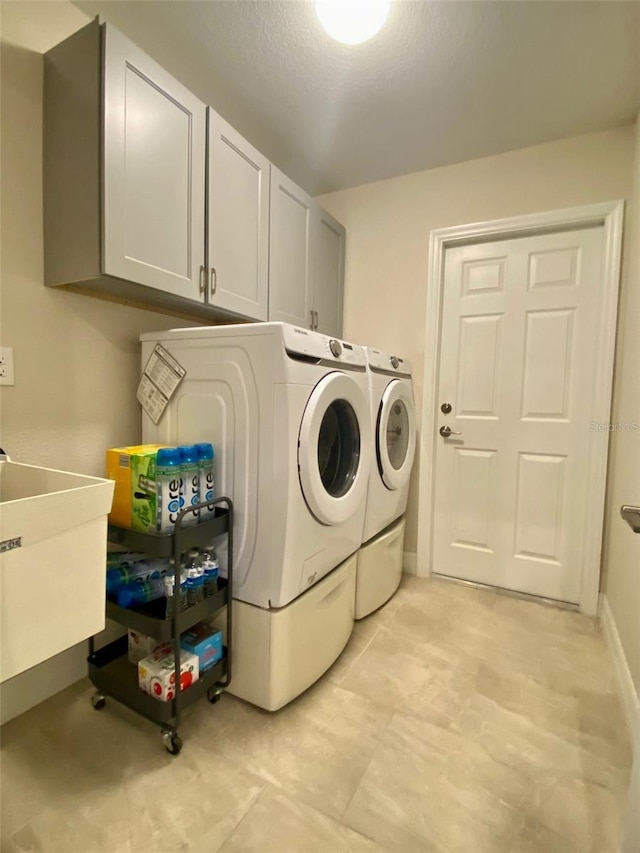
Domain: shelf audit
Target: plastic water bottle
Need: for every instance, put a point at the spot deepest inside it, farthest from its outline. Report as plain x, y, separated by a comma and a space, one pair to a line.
140, 571
210, 566
195, 579
175, 603
190, 482
140, 592
169, 483
120, 558
205, 468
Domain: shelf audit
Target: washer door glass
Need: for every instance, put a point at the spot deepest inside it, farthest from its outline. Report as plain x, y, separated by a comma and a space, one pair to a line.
335, 448
396, 435
339, 448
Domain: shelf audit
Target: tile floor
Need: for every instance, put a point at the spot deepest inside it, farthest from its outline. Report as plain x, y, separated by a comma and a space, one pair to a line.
456, 721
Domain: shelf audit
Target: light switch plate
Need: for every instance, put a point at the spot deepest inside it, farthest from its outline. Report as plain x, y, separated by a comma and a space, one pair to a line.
7, 376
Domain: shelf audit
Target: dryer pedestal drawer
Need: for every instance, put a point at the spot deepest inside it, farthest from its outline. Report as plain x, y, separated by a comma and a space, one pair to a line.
277, 654
379, 569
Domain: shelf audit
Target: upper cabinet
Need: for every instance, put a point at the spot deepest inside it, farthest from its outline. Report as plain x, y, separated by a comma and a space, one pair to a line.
306, 266
152, 198
238, 222
290, 263
124, 174
328, 239
154, 173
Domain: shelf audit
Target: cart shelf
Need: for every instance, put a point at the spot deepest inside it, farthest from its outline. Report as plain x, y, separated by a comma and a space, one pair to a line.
162, 544
113, 675
150, 618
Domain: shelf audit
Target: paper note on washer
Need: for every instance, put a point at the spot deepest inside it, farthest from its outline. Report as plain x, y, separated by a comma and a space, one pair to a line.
160, 379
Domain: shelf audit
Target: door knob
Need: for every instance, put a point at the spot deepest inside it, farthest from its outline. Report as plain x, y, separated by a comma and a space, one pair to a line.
446, 431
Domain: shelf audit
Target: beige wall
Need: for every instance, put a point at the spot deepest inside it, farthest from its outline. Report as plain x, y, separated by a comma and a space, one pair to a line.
388, 225
76, 358
621, 552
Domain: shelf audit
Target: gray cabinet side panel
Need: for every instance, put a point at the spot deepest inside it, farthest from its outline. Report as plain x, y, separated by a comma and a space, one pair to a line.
72, 172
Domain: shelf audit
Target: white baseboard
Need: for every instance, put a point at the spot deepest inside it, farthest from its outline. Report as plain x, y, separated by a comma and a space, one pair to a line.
409, 563
630, 700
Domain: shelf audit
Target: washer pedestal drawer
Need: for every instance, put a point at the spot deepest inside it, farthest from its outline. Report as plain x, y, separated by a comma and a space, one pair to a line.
379, 570
277, 654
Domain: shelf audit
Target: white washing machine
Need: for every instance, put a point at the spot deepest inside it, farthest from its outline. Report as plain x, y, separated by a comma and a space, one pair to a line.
287, 411
393, 422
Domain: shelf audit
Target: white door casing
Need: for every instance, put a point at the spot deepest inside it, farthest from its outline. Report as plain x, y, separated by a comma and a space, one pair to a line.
339, 394
238, 222
546, 428
395, 472
154, 173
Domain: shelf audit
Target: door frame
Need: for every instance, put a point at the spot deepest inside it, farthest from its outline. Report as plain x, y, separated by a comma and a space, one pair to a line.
609, 215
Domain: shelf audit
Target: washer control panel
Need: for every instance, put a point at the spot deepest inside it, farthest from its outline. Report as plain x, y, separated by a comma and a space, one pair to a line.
305, 342
384, 362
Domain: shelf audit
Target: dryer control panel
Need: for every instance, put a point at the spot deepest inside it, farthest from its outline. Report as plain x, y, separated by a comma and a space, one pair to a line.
306, 343
384, 362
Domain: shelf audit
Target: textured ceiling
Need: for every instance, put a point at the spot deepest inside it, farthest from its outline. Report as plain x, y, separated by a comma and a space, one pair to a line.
441, 83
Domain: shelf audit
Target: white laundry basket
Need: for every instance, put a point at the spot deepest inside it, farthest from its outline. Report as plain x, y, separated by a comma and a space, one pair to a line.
53, 534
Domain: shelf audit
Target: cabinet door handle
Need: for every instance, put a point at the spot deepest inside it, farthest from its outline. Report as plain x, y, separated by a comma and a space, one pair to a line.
316, 323
214, 280
203, 273
311, 326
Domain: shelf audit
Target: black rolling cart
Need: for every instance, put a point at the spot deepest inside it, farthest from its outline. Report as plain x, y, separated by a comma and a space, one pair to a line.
110, 671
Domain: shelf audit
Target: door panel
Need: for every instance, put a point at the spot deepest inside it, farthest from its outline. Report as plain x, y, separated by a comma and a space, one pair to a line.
546, 371
474, 474
154, 164
539, 504
290, 259
517, 361
328, 272
478, 377
238, 205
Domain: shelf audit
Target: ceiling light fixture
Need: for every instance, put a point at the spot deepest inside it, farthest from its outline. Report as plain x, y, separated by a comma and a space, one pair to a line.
352, 21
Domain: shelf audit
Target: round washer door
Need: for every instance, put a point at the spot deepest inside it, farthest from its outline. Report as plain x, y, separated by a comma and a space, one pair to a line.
396, 435
334, 449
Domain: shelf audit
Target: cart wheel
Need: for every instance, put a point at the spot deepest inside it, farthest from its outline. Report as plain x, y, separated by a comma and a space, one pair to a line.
98, 701
214, 694
172, 742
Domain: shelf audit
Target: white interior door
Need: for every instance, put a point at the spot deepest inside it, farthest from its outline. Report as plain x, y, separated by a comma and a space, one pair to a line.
517, 360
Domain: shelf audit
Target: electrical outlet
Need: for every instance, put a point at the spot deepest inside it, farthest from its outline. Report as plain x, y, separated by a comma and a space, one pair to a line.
7, 376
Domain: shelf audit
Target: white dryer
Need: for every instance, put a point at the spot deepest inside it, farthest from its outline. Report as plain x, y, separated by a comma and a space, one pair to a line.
393, 421
288, 413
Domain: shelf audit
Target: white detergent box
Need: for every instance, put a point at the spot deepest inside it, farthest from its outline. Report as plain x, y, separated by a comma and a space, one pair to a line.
156, 674
140, 646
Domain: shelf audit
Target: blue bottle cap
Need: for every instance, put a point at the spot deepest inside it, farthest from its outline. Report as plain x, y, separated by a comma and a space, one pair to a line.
128, 596
188, 453
205, 450
168, 456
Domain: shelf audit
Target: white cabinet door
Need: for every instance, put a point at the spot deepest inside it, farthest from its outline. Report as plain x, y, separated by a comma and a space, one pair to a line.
290, 252
238, 199
154, 173
328, 237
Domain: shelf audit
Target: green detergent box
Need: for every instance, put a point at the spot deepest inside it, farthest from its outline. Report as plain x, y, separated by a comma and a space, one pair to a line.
144, 491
